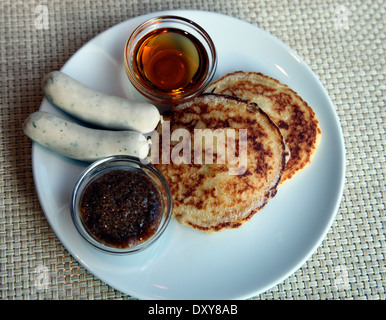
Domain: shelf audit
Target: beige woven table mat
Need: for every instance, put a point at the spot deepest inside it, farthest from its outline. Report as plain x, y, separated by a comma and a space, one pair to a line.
344, 44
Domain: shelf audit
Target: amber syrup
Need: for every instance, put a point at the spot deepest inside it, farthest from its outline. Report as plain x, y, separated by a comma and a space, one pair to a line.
170, 60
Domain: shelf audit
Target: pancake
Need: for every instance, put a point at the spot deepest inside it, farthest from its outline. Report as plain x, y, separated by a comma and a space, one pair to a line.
294, 117
213, 195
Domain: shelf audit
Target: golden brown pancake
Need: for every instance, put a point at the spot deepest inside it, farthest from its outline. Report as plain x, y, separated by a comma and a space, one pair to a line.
219, 195
294, 117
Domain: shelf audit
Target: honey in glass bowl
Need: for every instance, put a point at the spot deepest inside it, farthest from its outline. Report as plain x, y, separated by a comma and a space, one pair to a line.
170, 59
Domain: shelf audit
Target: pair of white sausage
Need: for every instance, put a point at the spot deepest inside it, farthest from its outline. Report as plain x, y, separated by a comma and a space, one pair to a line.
129, 118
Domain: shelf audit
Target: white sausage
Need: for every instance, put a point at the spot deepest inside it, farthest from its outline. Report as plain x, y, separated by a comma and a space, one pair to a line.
98, 108
74, 141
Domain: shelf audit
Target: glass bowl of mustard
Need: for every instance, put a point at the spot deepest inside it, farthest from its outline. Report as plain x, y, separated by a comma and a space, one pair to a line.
170, 59
121, 205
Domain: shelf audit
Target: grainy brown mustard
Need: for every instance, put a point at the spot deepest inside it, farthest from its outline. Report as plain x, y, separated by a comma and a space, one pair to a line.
121, 208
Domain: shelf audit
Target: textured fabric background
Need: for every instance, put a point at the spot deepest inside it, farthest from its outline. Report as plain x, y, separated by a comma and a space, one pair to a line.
344, 44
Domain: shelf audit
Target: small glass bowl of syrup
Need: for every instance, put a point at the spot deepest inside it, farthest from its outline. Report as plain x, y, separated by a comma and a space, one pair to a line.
170, 59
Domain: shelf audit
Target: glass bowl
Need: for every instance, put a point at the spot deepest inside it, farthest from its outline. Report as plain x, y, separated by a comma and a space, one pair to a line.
170, 59
153, 180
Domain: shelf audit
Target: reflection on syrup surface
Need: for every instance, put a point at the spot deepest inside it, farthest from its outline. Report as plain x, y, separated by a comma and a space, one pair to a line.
170, 60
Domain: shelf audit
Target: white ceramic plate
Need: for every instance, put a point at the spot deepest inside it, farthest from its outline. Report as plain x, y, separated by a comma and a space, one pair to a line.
185, 263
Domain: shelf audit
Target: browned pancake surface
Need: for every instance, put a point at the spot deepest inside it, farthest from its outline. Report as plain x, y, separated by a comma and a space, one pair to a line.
206, 196
294, 117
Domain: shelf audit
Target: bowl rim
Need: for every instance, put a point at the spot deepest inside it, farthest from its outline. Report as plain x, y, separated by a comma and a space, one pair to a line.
98, 168
159, 97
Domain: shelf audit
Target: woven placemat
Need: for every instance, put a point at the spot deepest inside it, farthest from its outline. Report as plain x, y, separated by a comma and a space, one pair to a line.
344, 44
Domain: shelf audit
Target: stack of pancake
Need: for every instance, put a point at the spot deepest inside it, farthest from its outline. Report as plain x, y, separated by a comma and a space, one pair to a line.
282, 136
